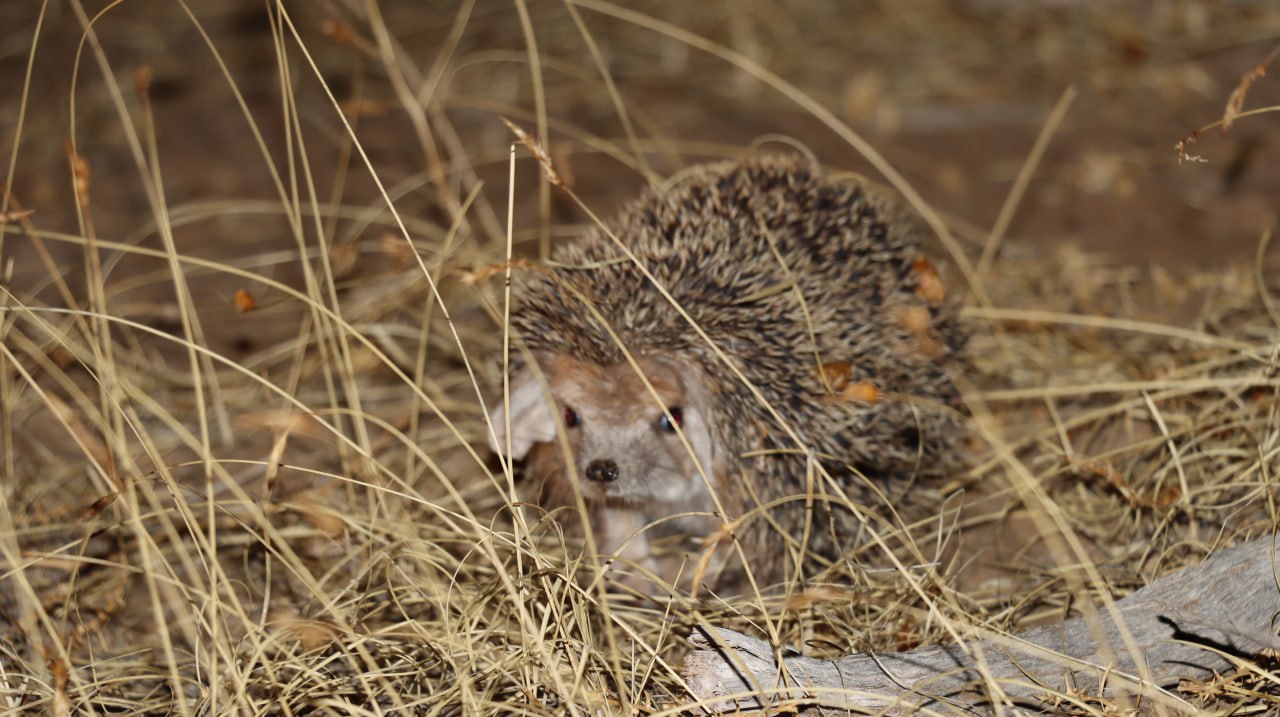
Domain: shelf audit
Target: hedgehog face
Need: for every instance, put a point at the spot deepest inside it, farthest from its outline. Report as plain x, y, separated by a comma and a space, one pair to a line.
624, 448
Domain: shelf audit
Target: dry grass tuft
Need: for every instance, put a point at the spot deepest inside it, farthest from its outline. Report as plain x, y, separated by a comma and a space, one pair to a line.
251, 263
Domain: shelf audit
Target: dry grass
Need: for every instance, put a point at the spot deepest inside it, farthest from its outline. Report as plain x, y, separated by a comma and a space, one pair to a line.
249, 324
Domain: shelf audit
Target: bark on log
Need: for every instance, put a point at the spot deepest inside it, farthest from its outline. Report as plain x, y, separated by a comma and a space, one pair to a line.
1181, 626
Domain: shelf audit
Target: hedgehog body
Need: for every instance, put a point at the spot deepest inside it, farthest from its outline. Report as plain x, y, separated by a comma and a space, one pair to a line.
822, 338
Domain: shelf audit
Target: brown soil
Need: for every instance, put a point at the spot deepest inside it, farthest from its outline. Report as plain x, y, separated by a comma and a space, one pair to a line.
323, 480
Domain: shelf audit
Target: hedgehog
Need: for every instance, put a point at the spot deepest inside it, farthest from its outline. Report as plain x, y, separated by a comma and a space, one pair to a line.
684, 372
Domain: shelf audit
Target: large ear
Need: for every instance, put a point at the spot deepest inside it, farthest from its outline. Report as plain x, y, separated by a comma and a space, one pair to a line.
532, 417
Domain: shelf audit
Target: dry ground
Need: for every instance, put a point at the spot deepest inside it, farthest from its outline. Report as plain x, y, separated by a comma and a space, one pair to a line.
247, 328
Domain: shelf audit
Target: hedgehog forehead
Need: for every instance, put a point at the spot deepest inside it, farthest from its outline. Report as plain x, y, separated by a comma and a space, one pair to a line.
616, 389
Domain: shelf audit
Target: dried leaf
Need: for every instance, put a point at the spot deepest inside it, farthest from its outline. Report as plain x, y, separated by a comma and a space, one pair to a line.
79, 172
339, 32
907, 635
402, 253
478, 275
342, 258
312, 634
929, 284
918, 321
244, 301
61, 356
364, 108
60, 672
835, 375
1170, 495
342, 33
863, 95
323, 519
95, 509
142, 81
281, 420
817, 595
861, 392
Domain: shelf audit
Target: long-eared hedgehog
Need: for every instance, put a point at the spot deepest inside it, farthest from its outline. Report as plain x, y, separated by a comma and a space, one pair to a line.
809, 288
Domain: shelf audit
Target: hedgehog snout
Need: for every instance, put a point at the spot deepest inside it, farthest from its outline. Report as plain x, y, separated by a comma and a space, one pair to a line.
602, 470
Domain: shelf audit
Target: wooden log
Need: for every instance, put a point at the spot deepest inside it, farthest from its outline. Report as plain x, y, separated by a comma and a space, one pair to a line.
1184, 625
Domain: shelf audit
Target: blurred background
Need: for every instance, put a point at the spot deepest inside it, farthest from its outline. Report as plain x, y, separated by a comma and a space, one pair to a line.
953, 94
251, 261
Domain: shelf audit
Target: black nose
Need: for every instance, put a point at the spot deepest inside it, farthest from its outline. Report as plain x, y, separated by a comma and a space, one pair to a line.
602, 470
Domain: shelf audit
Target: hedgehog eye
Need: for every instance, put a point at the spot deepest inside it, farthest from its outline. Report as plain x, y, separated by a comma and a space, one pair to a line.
571, 418
666, 424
